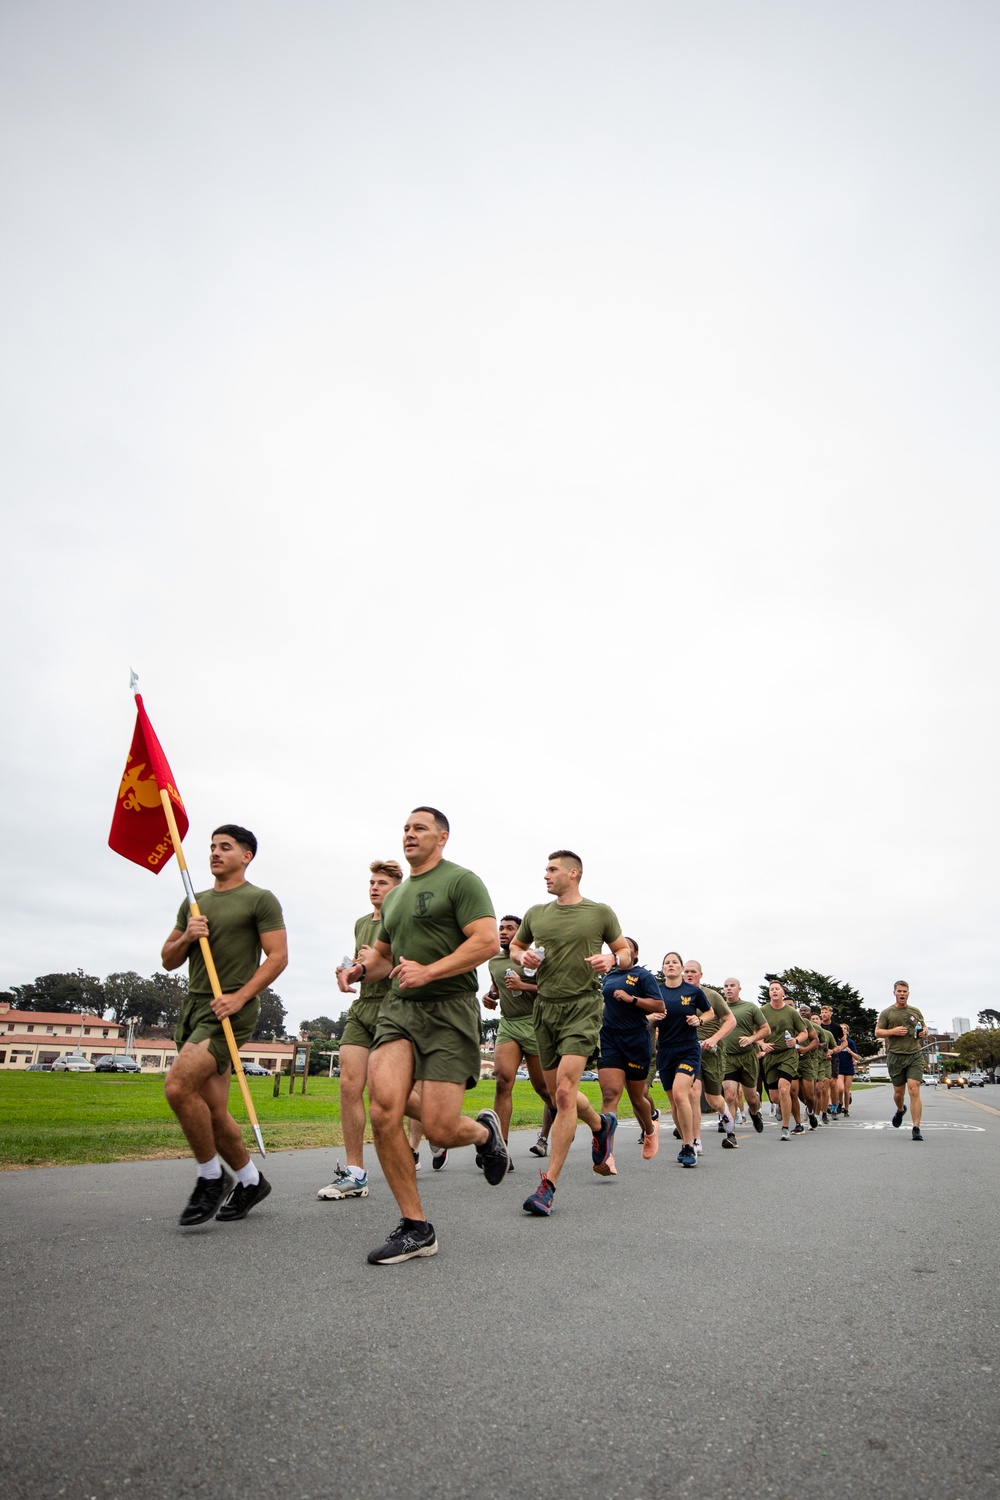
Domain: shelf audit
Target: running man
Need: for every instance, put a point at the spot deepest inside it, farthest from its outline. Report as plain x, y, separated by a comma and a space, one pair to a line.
901, 1026
568, 1008
246, 931
780, 1051
808, 1068
359, 1034
435, 930
739, 1059
710, 1035
515, 993
830, 1023
678, 1051
631, 1000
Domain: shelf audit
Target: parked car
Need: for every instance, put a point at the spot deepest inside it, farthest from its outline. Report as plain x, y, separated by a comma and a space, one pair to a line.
522, 1074
112, 1064
254, 1070
75, 1062
588, 1077
976, 1080
930, 1078
39, 1068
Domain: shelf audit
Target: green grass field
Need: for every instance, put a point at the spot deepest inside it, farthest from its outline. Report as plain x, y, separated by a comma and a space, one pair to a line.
61, 1119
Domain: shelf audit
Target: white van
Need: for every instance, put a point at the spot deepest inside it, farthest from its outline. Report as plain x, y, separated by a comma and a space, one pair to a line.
878, 1072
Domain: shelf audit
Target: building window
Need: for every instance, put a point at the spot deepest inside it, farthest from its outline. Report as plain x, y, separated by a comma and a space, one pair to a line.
3, 1057
105, 1032
86, 1031
267, 1062
31, 1028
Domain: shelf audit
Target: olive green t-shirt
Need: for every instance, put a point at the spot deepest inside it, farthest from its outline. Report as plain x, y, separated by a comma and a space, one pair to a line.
570, 934
423, 920
902, 1015
749, 1018
720, 1010
827, 1039
514, 1004
365, 930
812, 1028
780, 1021
236, 918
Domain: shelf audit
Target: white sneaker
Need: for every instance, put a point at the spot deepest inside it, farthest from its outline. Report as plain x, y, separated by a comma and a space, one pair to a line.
697, 1148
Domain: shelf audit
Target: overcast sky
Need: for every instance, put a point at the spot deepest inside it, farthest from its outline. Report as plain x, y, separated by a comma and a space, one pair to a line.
580, 417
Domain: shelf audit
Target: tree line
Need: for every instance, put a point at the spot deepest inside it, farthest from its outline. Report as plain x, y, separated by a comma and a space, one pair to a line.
152, 1004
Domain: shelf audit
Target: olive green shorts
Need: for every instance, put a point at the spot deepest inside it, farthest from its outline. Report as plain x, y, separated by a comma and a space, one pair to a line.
741, 1068
712, 1071
903, 1065
568, 1028
519, 1029
444, 1035
809, 1067
198, 1023
780, 1065
361, 1024
825, 1070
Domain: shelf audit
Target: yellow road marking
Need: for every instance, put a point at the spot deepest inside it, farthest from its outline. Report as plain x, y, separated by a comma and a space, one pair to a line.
976, 1104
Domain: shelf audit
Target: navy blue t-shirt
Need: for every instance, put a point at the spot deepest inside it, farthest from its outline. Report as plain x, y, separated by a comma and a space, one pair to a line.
620, 1017
686, 1000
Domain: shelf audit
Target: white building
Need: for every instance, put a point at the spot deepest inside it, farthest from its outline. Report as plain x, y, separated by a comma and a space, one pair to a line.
960, 1025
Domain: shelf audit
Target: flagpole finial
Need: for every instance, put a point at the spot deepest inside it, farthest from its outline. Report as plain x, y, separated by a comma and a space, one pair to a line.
133, 679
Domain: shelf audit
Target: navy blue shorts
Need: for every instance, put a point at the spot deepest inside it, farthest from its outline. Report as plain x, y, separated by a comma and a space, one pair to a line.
684, 1060
631, 1053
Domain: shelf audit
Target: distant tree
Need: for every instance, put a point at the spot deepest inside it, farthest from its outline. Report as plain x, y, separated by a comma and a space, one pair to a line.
488, 1028
322, 1026
989, 1018
170, 991
982, 1047
62, 992
271, 1021
821, 989
129, 997
337, 1029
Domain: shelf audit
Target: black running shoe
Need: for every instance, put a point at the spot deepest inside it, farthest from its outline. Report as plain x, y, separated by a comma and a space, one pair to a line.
758, 1123
798, 1130
600, 1146
206, 1200
655, 1113
677, 1134
406, 1242
730, 1143
541, 1147
494, 1153
813, 1122
915, 1133
438, 1158
897, 1118
242, 1199
722, 1128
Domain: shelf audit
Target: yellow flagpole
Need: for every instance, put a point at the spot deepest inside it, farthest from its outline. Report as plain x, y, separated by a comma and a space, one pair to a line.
206, 953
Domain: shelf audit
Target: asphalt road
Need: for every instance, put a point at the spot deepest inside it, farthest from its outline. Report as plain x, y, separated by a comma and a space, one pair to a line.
815, 1318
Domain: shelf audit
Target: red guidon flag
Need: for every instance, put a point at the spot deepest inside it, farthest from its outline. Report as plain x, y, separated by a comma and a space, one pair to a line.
139, 827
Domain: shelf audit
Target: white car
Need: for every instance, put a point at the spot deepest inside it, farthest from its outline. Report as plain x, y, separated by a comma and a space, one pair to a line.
930, 1078
977, 1080
75, 1062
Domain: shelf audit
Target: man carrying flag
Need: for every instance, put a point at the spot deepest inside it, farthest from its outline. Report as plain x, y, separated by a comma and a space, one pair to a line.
244, 924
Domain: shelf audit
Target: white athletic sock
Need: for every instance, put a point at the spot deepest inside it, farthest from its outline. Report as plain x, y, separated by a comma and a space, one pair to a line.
727, 1121
210, 1169
248, 1175
356, 1172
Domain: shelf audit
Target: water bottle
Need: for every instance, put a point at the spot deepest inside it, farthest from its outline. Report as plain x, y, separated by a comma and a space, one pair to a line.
788, 1039
530, 973
346, 963
510, 973
917, 1028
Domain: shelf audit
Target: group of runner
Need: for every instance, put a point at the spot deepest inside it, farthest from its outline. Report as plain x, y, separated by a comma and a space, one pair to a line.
570, 991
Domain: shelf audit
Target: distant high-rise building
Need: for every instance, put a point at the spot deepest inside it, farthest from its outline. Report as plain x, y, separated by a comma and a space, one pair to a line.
960, 1024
